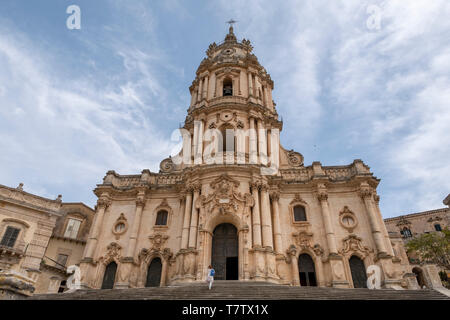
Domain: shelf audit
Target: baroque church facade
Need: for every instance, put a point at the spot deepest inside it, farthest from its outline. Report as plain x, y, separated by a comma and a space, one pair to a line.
254, 214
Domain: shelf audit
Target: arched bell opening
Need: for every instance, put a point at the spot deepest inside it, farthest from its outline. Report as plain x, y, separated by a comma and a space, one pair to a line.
227, 87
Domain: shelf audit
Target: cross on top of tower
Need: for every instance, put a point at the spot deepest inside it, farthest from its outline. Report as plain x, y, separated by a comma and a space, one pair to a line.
230, 36
231, 22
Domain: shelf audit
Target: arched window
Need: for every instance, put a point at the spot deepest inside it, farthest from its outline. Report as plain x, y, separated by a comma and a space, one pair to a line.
437, 227
227, 87
10, 237
161, 218
299, 213
406, 233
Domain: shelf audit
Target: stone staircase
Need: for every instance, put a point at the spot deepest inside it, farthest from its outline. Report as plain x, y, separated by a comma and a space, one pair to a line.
235, 290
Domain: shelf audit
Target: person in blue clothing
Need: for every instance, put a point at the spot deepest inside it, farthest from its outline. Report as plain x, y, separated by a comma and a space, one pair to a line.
210, 276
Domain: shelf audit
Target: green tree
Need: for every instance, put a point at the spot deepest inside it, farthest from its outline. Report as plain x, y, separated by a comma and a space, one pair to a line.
433, 247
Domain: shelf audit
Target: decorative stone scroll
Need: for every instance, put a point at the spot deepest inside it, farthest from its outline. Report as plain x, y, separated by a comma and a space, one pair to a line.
295, 159
353, 243
403, 221
158, 240
112, 253
303, 240
167, 165
225, 198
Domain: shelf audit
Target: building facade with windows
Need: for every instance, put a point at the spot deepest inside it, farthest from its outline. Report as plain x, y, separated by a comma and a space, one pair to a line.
405, 227
236, 199
65, 247
28, 239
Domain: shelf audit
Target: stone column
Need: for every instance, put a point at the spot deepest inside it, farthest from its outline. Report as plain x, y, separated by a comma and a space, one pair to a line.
250, 85
322, 195
256, 218
215, 85
239, 83
262, 143
162, 282
292, 252
205, 88
366, 194
198, 141
195, 141
266, 219
182, 198
270, 103
388, 244
193, 97
200, 89
266, 97
194, 218
276, 222
253, 153
102, 204
187, 219
140, 203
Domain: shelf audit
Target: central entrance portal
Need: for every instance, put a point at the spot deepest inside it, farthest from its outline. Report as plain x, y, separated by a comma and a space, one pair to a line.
225, 250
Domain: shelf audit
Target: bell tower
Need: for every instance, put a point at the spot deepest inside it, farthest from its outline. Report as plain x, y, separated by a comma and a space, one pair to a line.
232, 116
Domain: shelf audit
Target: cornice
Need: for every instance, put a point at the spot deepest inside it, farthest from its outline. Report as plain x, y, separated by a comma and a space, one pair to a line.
419, 214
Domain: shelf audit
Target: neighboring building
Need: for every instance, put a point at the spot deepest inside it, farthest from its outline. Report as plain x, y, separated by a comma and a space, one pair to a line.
403, 228
255, 219
65, 247
27, 222
414, 224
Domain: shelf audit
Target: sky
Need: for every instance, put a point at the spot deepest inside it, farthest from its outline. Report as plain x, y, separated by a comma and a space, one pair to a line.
359, 79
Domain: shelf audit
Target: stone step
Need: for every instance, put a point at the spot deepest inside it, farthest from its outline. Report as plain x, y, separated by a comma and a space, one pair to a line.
238, 290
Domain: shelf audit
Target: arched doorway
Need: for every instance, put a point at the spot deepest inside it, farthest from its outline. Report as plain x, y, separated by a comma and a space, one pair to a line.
419, 276
358, 270
109, 276
225, 248
306, 270
154, 273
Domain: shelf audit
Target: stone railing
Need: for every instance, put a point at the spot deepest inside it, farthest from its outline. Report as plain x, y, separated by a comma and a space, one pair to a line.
21, 196
340, 173
126, 181
131, 181
226, 99
168, 179
297, 175
334, 173
15, 251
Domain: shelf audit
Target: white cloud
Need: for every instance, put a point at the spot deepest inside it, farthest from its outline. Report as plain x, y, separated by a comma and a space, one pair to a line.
71, 137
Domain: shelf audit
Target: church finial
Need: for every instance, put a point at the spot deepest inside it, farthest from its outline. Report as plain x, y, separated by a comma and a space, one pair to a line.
230, 36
